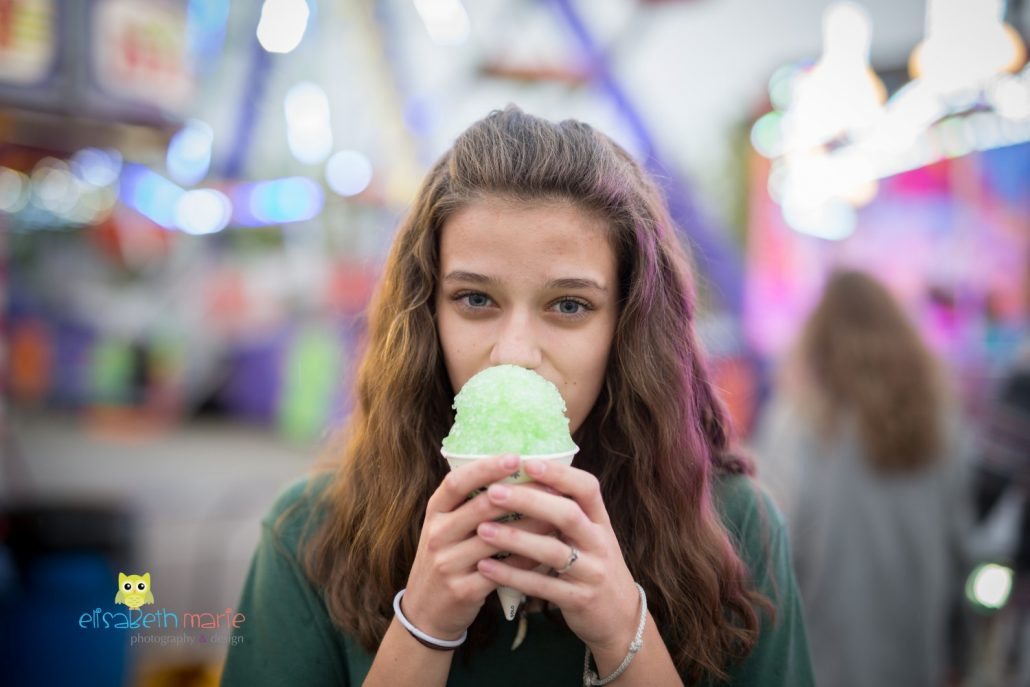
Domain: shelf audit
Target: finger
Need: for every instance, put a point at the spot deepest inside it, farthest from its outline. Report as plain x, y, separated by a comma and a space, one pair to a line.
469, 588
442, 530
458, 484
580, 485
531, 525
550, 551
462, 521
531, 583
479, 508
563, 513
462, 556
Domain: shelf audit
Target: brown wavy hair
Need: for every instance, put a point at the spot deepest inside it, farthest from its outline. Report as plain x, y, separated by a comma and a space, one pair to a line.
860, 359
654, 438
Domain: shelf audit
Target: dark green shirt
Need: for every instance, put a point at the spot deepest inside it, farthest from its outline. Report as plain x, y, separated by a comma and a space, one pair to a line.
288, 638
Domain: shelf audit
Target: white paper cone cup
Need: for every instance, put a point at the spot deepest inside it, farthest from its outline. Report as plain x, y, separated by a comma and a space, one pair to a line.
510, 598
456, 460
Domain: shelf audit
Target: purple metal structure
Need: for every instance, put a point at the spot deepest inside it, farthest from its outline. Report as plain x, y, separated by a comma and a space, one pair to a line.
715, 255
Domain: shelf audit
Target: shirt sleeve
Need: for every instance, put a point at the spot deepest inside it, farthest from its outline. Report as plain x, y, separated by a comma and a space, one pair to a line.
287, 636
780, 658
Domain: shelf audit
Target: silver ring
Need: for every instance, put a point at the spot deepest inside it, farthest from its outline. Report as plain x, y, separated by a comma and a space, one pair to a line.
573, 557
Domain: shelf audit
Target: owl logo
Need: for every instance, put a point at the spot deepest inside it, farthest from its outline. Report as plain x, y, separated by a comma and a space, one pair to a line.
134, 590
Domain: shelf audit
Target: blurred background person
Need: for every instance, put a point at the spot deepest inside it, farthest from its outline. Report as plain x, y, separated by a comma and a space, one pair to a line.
865, 451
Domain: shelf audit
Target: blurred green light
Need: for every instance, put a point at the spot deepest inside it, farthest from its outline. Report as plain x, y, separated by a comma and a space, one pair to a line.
989, 586
781, 85
767, 135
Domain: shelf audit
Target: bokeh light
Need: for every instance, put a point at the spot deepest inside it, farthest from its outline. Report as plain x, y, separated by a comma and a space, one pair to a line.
989, 586
14, 188
203, 211
53, 186
97, 167
446, 21
308, 129
150, 194
279, 201
348, 172
189, 152
282, 24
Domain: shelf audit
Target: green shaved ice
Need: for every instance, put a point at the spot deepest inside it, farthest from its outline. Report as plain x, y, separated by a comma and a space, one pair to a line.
508, 409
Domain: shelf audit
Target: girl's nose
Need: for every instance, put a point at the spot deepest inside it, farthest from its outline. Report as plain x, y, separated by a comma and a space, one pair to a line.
516, 344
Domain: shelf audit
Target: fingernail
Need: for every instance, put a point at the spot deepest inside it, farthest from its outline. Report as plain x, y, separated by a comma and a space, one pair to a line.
499, 492
486, 565
487, 529
509, 461
536, 467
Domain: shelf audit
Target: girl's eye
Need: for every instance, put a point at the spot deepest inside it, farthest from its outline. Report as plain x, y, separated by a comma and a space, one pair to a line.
568, 306
573, 308
472, 300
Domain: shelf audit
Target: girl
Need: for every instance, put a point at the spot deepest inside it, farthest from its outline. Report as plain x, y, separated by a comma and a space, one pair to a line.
542, 245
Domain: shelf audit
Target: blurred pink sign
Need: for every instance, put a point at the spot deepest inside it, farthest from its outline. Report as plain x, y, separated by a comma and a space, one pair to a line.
139, 52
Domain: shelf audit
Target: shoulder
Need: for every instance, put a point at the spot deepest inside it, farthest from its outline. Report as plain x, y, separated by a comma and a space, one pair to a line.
743, 503
754, 522
780, 658
297, 508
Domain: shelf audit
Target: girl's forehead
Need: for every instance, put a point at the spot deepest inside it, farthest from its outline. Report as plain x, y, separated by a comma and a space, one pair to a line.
540, 228
492, 244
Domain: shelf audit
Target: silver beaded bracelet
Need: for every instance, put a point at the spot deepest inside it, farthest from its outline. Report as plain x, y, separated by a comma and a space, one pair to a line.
592, 679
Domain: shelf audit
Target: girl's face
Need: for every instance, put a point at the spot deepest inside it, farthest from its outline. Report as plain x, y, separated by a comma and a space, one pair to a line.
529, 284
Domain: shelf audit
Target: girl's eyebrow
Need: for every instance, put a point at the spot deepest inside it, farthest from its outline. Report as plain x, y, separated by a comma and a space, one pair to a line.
576, 283
470, 277
563, 283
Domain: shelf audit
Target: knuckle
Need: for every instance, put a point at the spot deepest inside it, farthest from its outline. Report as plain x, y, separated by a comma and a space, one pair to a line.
467, 594
583, 598
451, 483
463, 594
483, 505
571, 518
434, 540
593, 484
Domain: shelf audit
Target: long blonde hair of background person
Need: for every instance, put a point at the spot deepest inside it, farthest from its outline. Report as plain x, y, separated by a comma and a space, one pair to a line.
655, 437
860, 358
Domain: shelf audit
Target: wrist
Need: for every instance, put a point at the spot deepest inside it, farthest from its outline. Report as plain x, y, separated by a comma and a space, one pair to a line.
621, 628
608, 655
604, 660
415, 612
425, 636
